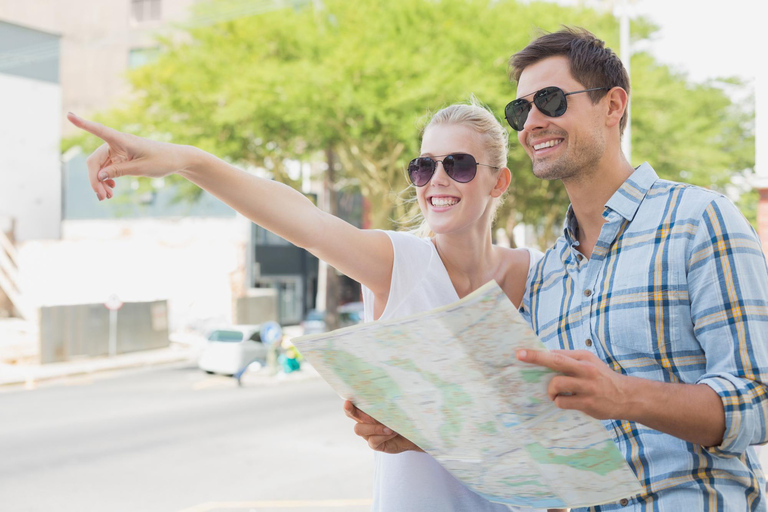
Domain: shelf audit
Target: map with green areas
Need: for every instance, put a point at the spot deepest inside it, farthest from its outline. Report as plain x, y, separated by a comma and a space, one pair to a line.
602, 460
449, 380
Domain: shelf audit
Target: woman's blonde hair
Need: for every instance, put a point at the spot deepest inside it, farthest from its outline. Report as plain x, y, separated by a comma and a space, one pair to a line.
494, 136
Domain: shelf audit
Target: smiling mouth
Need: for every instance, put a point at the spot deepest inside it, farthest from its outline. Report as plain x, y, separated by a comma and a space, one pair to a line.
547, 144
443, 201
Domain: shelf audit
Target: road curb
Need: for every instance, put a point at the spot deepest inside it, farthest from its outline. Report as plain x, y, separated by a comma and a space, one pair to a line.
28, 375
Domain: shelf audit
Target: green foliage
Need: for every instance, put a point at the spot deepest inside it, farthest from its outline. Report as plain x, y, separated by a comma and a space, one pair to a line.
748, 204
356, 78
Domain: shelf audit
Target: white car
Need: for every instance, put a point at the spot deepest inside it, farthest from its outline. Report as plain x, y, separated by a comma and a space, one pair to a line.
230, 349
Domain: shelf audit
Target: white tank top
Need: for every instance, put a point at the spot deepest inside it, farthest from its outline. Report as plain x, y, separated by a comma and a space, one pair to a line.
414, 481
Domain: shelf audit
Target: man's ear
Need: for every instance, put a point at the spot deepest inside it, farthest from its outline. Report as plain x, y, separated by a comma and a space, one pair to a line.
617, 101
502, 182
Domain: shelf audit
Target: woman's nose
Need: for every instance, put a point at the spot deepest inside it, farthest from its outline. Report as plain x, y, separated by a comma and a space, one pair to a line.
439, 177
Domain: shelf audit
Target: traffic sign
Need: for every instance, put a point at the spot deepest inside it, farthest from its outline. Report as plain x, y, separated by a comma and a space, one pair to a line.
113, 302
271, 332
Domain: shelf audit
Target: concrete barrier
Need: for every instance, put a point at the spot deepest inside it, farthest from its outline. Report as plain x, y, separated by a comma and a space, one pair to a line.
257, 307
83, 330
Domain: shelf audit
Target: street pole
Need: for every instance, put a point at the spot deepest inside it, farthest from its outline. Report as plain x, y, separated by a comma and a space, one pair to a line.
760, 180
113, 304
112, 332
625, 54
761, 120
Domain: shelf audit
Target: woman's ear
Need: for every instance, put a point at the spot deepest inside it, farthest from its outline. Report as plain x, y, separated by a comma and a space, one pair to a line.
502, 182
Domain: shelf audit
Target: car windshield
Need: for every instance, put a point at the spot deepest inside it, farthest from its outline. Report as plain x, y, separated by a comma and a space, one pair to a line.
314, 315
351, 317
222, 335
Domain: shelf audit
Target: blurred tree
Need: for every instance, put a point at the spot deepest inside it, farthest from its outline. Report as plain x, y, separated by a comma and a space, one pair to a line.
354, 80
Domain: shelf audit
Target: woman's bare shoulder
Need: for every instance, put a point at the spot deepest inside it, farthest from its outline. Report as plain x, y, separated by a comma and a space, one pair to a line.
514, 259
512, 272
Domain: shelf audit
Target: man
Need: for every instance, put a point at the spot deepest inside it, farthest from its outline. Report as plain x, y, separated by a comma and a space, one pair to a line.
654, 300
657, 291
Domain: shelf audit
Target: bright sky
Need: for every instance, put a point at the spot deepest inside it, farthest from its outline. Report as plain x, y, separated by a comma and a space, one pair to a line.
709, 39
706, 38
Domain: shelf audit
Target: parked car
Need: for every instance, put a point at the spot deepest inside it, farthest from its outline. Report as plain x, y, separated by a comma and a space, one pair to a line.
228, 350
350, 313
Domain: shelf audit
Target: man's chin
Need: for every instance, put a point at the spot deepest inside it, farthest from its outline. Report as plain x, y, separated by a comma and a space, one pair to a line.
554, 168
547, 172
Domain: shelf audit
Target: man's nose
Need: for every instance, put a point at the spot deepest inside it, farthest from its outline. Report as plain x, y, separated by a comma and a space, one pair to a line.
535, 119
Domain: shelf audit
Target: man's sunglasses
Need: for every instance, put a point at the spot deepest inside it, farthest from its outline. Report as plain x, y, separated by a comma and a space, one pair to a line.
550, 101
459, 167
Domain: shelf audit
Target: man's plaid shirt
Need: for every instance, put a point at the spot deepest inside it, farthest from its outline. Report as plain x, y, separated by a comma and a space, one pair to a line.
676, 290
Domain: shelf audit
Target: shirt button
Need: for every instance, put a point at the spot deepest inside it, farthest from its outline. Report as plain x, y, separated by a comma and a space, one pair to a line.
624, 502
588, 342
587, 293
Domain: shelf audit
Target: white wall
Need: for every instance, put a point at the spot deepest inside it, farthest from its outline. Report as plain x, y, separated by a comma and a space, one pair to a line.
30, 166
197, 264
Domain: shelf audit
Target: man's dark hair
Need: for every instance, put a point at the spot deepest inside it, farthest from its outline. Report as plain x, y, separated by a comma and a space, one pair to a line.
592, 64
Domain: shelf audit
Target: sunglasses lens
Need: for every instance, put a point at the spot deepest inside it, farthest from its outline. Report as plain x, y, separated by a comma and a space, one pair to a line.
420, 170
516, 113
550, 101
460, 167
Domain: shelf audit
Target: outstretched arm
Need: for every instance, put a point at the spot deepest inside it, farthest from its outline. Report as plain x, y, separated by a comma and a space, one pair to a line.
364, 255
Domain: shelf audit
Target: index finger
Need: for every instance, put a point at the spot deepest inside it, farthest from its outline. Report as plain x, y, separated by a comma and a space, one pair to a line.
579, 355
105, 133
558, 361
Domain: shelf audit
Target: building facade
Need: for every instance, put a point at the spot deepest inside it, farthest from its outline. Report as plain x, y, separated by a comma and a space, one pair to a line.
100, 40
30, 102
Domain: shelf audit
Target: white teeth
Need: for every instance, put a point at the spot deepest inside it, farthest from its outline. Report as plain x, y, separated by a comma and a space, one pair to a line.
548, 144
444, 201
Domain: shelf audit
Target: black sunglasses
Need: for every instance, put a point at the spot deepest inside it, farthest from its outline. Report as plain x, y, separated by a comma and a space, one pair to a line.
550, 101
460, 167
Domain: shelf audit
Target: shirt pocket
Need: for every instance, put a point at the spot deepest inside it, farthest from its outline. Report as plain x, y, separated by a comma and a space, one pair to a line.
641, 313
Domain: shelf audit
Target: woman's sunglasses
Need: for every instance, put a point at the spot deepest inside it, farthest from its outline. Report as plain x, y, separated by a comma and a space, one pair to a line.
459, 167
550, 101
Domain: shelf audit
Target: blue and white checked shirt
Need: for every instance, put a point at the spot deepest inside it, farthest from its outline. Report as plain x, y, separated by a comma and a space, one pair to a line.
676, 290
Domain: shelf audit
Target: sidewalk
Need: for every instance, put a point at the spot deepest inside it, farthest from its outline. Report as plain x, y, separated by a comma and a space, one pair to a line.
18, 341
181, 350
29, 374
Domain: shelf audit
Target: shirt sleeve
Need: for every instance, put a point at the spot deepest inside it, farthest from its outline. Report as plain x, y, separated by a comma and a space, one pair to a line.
728, 288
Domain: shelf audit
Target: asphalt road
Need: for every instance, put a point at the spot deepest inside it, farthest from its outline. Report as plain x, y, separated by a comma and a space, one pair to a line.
176, 439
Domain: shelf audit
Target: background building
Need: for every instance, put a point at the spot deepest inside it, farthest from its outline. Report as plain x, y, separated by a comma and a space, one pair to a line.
57, 57
99, 41
30, 102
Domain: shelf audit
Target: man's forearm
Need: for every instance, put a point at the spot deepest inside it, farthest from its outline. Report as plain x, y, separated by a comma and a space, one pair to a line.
691, 412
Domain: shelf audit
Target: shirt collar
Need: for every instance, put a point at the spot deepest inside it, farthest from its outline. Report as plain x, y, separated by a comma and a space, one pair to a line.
625, 201
631, 193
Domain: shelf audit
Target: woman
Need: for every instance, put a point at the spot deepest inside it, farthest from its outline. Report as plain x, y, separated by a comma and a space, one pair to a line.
460, 177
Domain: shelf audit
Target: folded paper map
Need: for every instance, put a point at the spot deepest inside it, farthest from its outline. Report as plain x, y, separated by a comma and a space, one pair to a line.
449, 380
